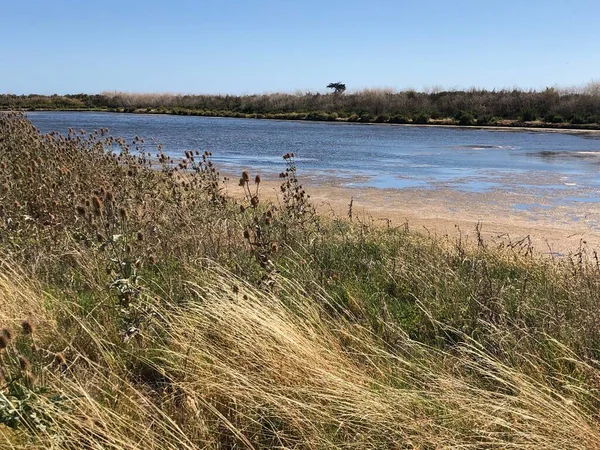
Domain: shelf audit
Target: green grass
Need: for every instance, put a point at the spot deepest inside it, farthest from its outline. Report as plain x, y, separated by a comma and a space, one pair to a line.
170, 315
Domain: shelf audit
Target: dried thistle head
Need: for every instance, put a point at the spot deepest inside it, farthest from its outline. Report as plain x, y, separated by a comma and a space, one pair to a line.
27, 327
245, 176
3, 342
59, 358
24, 363
257, 179
254, 201
97, 204
7, 333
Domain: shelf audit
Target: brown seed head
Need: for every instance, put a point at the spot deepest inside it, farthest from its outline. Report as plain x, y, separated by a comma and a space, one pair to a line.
29, 379
257, 179
140, 236
24, 363
27, 327
7, 333
246, 234
97, 203
60, 359
254, 201
3, 342
245, 176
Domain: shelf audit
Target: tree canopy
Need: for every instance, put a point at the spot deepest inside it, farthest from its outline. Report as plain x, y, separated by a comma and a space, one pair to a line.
338, 87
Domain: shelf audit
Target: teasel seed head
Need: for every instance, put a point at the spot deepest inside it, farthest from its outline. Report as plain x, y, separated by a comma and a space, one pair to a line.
24, 363
60, 359
27, 327
7, 333
97, 203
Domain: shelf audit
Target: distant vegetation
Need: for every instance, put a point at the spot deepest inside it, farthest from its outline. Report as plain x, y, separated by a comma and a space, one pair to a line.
145, 307
551, 107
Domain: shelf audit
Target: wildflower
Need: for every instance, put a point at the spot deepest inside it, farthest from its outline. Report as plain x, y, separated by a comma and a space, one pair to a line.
254, 201
245, 176
257, 179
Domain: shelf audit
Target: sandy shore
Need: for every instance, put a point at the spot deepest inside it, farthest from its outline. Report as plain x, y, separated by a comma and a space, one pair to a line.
505, 217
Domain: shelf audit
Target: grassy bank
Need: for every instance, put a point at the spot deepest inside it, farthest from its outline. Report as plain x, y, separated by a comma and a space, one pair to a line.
143, 307
551, 108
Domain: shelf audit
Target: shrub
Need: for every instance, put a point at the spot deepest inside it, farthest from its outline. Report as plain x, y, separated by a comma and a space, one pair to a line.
399, 119
466, 118
486, 119
595, 118
528, 115
554, 118
577, 120
421, 118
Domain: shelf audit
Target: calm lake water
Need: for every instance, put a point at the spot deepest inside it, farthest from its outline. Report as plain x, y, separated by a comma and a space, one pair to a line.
378, 156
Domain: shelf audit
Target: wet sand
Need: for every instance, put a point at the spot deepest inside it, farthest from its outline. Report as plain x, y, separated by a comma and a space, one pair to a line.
554, 228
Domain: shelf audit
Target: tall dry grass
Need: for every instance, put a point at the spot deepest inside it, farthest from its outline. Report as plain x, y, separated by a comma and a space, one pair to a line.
257, 370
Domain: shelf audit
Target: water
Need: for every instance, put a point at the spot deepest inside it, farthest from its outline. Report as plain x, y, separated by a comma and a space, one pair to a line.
380, 156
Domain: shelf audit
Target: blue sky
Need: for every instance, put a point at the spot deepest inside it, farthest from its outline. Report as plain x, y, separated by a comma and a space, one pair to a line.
239, 47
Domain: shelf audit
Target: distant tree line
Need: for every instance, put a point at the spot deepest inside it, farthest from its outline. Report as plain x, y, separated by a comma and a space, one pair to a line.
468, 107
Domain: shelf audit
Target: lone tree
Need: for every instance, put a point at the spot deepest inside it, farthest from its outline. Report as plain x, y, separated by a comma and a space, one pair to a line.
338, 87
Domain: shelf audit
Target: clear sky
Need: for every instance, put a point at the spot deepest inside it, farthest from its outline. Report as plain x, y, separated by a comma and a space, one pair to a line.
256, 46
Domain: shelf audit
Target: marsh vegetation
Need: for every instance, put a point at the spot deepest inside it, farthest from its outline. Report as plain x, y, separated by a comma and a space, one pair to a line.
552, 107
143, 306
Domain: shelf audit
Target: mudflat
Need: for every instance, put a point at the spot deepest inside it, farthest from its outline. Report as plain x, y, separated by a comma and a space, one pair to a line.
553, 225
